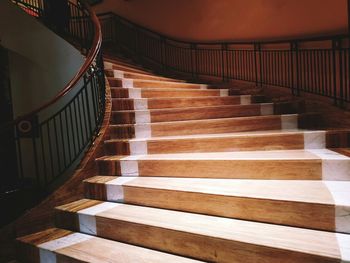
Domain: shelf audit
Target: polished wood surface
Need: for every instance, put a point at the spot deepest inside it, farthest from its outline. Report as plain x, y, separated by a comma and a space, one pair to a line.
164, 93
207, 112
213, 238
213, 175
294, 203
229, 143
83, 248
249, 165
205, 126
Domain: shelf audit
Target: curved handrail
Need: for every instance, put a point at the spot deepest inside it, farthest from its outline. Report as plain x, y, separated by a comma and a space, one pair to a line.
90, 58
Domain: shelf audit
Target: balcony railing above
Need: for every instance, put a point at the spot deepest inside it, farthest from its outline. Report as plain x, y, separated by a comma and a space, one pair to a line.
315, 65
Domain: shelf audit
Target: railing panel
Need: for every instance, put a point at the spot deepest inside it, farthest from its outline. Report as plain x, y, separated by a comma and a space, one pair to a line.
302, 65
51, 140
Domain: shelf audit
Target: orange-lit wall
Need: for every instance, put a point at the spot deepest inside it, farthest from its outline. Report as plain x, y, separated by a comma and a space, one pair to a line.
234, 19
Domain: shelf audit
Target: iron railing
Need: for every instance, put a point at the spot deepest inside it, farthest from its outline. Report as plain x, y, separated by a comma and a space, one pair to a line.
315, 65
51, 139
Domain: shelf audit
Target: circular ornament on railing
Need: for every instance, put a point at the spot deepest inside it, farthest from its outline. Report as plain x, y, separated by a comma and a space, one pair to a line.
25, 126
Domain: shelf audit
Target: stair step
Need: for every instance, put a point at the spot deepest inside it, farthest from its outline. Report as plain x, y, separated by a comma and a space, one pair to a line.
126, 63
294, 203
58, 245
207, 238
224, 142
114, 73
313, 164
212, 126
163, 103
136, 93
132, 69
142, 83
209, 112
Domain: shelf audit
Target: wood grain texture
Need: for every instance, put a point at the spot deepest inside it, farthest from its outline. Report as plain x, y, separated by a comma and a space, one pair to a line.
95, 188
123, 131
205, 126
252, 142
254, 200
138, 83
110, 251
243, 169
297, 165
208, 112
26, 246
133, 75
122, 104
192, 102
165, 93
212, 126
68, 220
117, 61
122, 117
227, 144
119, 93
81, 251
119, 147
132, 69
213, 238
163, 103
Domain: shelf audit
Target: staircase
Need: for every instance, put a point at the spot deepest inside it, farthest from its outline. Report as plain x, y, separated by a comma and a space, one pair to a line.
193, 172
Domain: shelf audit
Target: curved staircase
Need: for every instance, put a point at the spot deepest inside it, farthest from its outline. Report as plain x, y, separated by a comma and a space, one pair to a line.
193, 172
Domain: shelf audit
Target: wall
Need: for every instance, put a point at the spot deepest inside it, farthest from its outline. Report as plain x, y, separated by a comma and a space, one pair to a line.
41, 63
206, 20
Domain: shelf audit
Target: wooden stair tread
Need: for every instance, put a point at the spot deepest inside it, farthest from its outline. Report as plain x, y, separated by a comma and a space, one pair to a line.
201, 228
80, 247
241, 155
189, 140
206, 126
204, 112
147, 83
169, 89
131, 68
288, 202
319, 192
161, 81
165, 93
249, 118
124, 63
126, 74
226, 135
201, 108
193, 98
293, 131
312, 164
179, 102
